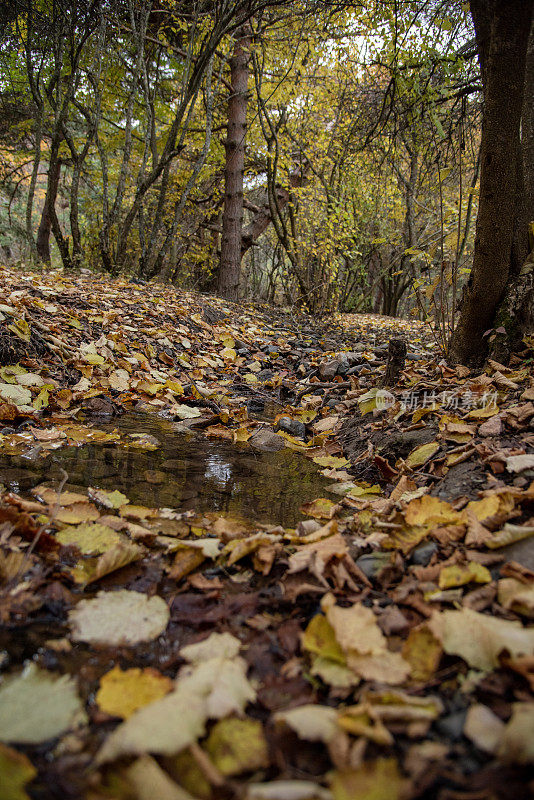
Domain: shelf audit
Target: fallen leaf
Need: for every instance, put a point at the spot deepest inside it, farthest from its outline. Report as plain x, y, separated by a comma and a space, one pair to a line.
374, 780
421, 455
287, 790
122, 692
483, 727
90, 539
315, 723
149, 781
478, 638
115, 618
517, 743
16, 770
462, 574
37, 705
237, 745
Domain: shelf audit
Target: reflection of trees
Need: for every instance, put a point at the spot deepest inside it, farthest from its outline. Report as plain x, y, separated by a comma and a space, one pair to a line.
204, 474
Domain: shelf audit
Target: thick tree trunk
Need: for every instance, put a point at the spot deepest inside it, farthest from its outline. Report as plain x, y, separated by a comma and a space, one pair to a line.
232, 221
527, 131
45, 225
502, 29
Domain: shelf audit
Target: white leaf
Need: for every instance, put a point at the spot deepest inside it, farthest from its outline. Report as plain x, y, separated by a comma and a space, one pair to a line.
122, 617
37, 705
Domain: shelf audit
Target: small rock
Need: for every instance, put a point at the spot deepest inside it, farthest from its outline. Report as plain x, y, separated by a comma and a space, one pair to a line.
255, 406
491, 427
423, 553
392, 620
265, 375
328, 369
371, 563
452, 726
266, 441
292, 426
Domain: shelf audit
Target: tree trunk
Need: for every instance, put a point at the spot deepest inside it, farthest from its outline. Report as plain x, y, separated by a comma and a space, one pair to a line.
45, 226
527, 131
232, 221
502, 29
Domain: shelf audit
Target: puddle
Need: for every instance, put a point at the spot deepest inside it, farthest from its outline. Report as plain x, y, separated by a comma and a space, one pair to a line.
187, 471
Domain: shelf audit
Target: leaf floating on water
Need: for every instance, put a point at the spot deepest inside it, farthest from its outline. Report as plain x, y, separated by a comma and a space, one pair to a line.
114, 499
37, 705
115, 618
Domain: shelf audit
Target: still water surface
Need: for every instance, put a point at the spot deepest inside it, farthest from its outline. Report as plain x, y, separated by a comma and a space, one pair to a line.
187, 471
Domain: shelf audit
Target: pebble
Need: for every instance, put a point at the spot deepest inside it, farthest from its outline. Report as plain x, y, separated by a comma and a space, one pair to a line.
423, 553
452, 726
292, 426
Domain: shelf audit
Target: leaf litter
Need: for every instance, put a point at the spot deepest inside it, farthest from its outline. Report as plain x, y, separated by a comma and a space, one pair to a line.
380, 647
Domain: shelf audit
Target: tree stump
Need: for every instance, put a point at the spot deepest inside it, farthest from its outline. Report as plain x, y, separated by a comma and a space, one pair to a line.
395, 363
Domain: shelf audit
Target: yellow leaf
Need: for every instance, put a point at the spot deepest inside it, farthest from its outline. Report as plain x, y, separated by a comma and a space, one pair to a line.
322, 508
405, 539
423, 653
90, 539
319, 638
107, 499
21, 329
462, 574
428, 510
331, 461
238, 745
373, 780
92, 569
421, 454
16, 770
94, 358
122, 692
75, 513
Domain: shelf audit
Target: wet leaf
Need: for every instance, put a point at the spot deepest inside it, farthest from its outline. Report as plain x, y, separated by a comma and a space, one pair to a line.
113, 499
320, 508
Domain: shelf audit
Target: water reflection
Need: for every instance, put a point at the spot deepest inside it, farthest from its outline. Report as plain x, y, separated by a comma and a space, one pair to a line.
186, 471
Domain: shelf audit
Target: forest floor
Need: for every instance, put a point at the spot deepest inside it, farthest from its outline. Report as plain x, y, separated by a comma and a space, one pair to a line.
371, 642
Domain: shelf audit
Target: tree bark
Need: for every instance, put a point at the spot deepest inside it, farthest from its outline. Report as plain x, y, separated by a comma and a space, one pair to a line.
502, 29
45, 225
232, 221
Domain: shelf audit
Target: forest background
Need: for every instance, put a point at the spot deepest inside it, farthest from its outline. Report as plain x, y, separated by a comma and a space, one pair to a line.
323, 155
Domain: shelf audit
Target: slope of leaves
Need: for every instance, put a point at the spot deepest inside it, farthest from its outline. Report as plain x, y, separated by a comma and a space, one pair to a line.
381, 648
